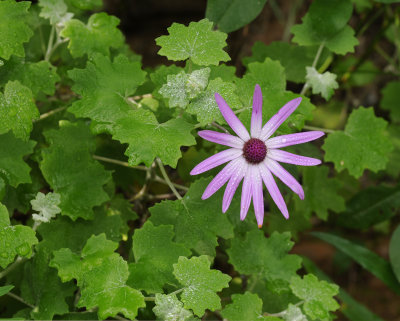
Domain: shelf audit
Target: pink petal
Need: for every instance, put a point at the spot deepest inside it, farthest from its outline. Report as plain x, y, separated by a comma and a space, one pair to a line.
219, 180
231, 118
293, 139
272, 125
256, 116
233, 183
273, 190
286, 157
284, 176
221, 138
216, 160
246, 193
258, 199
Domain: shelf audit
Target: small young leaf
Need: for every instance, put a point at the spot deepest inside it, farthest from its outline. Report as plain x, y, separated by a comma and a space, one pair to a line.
13, 168
266, 256
17, 110
323, 84
14, 29
154, 252
366, 258
197, 41
101, 275
14, 239
98, 36
246, 306
232, 15
201, 284
317, 296
294, 313
46, 205
394, 252
365, 136
5, 289
55, 11
169, 308
321, 193
197, 223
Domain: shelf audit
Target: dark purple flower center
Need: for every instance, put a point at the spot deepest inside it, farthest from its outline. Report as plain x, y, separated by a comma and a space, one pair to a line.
254, 150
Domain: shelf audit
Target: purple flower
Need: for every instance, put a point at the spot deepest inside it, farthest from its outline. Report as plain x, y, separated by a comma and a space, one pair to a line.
255, 157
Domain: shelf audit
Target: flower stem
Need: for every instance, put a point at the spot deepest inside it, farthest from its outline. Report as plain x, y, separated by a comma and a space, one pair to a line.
325, 130
18, 298
169, 183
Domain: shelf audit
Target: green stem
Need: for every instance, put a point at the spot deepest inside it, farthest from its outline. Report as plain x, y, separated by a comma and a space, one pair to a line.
282, 313
18, 298
325, 130
50, 44
176, 292
149, 298
314, 64
160, 180
51, 112
121, 163
11, 267
386, 56
169, 183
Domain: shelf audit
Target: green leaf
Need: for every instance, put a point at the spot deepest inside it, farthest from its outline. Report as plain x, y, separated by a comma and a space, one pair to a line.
389, 99
104, 87
370, 206
197, 223
394, 252
55, 11
366, 258
164, 142
12, 166
42, 287
294, 313
231, 15
365, 136
182, 87
201, 284
14, 239
39, 77
266, 256
17, 110
205, 106
197, 41
246, 306
169, 308
270, 76
154, 252
14, 30
5, 289
72, 142
321, 193
352, 309
46, 205
323, 84
317, 296
101, 275
98, 36
326, 24
293, 58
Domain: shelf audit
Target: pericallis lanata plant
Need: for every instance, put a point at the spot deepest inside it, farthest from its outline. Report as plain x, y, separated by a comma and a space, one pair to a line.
113, 204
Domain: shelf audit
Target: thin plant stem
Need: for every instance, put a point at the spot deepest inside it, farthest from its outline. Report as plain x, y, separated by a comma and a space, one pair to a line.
11, 267
325, 130
50, 113
253, 284
176, 292
160, 180
219, 127
18, 298
169, 183
121, 163
50, 44
149, 298
314, 64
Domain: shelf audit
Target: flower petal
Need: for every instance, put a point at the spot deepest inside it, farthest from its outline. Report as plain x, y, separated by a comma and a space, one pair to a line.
293, 139
221, 138
216, 160
284, 176
273, 190
231, 118
246, 193
219, 180
286, 157
258, 199
272, 125
233, 183
256, 116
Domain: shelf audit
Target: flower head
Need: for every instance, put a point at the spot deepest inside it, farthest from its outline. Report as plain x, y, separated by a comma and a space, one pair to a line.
254, 158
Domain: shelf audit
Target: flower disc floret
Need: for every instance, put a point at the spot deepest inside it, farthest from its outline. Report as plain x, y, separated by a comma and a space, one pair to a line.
254, 151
